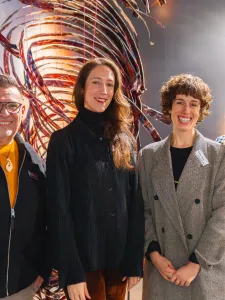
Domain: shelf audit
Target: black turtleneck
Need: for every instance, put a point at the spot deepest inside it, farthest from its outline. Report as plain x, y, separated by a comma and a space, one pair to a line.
97, 208
94, 120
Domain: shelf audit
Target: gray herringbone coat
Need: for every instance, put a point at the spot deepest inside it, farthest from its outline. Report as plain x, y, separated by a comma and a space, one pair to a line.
189, 219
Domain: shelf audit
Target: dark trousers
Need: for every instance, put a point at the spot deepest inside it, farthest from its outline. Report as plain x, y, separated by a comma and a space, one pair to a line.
106, 284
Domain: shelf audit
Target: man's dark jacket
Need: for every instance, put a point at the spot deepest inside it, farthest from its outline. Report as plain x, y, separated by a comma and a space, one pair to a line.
96, 210
23, 237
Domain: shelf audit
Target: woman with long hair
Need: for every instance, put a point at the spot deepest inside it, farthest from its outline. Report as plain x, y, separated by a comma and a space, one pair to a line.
183, 184
96, 211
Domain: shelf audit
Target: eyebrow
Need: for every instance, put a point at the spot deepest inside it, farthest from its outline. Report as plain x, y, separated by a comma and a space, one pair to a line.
192, 100
101, 79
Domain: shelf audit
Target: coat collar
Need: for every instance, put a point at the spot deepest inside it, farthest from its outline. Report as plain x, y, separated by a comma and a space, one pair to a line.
26, 149
193, 174
176, 203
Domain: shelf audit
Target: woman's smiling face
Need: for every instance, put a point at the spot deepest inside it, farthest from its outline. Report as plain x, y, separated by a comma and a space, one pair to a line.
99, 89
185, 113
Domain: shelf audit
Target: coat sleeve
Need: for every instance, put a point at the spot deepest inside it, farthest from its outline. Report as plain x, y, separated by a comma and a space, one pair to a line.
210, 249
41, 236
61, 225
132, 265
44, 266
150, 232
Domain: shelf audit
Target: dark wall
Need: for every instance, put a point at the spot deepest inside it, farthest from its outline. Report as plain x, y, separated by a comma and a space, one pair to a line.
193, 41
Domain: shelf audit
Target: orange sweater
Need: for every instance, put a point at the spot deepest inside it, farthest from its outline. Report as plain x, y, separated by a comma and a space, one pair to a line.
12, 152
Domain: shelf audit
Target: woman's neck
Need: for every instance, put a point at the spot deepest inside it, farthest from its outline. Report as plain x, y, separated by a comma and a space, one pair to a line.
94, 120
183, 139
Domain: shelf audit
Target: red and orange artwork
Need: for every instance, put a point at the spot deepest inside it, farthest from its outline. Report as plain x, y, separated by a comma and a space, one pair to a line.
44, 43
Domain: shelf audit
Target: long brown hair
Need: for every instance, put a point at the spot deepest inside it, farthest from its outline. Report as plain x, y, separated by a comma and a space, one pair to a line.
118, 117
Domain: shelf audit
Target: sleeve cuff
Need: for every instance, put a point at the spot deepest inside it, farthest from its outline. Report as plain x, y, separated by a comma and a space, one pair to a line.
205, 264
152, 247
193, 258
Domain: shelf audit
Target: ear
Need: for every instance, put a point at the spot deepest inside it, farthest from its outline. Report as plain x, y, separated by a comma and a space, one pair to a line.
23, 109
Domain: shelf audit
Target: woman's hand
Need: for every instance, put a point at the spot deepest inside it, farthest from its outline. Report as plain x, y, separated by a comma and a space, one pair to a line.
38, 282
132, 281
78, 291
186, 274
164, 266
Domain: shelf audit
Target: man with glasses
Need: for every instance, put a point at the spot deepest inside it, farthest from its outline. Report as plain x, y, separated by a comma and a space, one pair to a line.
23, 236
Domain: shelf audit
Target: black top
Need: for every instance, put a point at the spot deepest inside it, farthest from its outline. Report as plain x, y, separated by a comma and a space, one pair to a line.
23, 235
94, 120
179, 158
95, 210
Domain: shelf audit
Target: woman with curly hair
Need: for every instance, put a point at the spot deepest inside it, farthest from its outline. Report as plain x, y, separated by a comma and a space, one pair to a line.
95, 205
183, 186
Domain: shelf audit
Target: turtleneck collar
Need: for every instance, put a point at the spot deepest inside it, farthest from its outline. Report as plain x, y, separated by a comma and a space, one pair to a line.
94, 120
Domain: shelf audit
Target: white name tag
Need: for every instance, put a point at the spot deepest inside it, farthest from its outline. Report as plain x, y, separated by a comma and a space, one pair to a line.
200, 155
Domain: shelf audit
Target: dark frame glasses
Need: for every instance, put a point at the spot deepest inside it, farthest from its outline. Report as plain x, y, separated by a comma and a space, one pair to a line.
11, 107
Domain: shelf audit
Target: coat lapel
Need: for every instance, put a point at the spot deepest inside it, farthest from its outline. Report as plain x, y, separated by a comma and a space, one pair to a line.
164, 185
193, 174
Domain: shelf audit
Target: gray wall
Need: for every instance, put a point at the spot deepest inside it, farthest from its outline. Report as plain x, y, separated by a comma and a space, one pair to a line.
193, 41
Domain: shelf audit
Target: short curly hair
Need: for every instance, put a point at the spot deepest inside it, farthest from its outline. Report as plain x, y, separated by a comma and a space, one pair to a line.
189, 85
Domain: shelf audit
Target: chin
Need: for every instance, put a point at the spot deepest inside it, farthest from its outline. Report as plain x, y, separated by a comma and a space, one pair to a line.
8, 132
5, 134
101, 110
185, 129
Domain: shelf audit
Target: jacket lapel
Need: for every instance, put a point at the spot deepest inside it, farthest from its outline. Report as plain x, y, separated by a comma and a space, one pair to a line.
164, 185
193, 174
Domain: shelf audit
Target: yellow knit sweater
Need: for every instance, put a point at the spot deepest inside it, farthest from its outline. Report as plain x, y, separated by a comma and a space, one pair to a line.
10, 151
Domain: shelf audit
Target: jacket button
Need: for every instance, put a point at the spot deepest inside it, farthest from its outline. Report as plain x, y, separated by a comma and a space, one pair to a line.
100, 139
156, 197
197, 201
189, 236
110, 189
163, 230
112, 214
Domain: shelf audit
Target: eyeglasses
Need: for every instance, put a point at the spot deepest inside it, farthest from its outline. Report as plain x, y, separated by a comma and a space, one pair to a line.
11, 107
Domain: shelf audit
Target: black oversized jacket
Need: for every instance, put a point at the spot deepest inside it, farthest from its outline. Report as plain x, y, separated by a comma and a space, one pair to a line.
96, 210
23, 231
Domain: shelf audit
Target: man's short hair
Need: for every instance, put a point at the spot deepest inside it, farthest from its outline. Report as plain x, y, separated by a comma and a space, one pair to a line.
7, 82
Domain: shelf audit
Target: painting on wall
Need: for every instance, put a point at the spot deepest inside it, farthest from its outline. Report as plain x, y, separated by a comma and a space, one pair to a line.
44, 43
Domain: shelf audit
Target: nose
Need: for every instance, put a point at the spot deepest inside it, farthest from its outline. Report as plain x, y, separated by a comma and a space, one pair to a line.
4, 111
104, 89
186, 108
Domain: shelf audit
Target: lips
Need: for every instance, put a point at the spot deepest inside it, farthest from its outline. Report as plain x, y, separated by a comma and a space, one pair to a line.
184, 120
101, 100
4, 123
